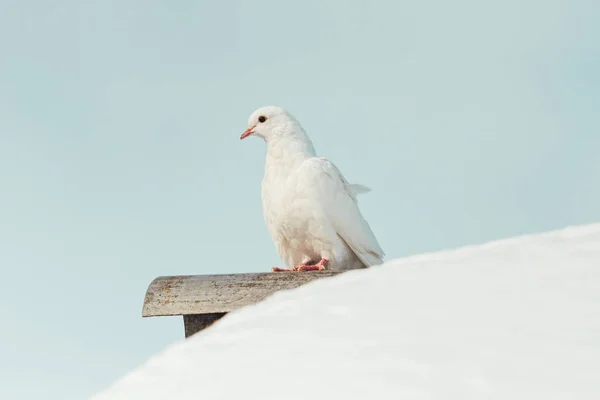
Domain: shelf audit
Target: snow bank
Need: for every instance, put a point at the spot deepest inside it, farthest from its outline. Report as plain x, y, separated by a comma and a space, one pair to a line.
513, 319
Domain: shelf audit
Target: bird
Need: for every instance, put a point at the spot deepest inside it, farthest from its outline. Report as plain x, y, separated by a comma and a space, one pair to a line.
310, 209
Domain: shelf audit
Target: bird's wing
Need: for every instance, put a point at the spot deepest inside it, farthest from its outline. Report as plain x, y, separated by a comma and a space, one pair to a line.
338, 197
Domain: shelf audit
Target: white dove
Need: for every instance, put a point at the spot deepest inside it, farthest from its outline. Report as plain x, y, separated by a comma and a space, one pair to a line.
310, 210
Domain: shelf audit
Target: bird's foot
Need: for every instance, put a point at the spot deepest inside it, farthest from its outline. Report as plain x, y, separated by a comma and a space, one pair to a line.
320, 266
294, 269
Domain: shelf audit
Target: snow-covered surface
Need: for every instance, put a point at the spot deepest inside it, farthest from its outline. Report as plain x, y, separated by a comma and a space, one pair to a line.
513, 319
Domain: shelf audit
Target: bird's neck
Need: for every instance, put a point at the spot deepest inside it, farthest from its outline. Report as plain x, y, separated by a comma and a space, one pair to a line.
289, 150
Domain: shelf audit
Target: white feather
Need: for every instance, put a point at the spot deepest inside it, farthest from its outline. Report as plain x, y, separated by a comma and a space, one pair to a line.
337, 198
310, 209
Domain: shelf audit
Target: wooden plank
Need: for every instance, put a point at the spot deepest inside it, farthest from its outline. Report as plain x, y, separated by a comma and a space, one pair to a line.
195, 323
209, 294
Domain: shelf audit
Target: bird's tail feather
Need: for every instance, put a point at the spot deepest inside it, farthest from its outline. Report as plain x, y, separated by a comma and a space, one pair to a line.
358, 189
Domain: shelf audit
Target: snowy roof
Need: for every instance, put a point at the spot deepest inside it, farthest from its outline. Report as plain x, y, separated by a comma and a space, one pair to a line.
518, 318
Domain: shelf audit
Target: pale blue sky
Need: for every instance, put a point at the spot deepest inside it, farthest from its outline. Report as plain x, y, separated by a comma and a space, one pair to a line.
120, 157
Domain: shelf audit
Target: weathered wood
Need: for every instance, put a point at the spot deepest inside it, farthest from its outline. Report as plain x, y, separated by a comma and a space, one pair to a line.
198, 322
210, 294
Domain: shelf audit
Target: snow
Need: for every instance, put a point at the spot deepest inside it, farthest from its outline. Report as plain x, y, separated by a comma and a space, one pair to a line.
512, 319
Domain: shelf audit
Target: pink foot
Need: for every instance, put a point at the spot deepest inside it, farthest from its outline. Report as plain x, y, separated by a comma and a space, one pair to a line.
320, 266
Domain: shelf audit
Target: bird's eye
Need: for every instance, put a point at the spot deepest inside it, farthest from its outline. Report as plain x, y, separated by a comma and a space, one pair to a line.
262, 119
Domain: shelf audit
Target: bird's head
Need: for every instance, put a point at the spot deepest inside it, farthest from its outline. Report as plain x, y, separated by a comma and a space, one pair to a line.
270, 122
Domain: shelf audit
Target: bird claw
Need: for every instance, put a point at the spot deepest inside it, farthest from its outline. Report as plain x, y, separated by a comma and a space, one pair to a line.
316, 267
320, 266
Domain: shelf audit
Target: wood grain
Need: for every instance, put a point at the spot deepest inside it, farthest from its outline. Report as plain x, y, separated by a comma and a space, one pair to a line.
210, 294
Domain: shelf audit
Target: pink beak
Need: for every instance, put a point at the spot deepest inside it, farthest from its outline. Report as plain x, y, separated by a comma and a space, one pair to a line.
247, 132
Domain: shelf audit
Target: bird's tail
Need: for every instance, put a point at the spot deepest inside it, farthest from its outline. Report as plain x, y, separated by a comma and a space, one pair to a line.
358, 189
